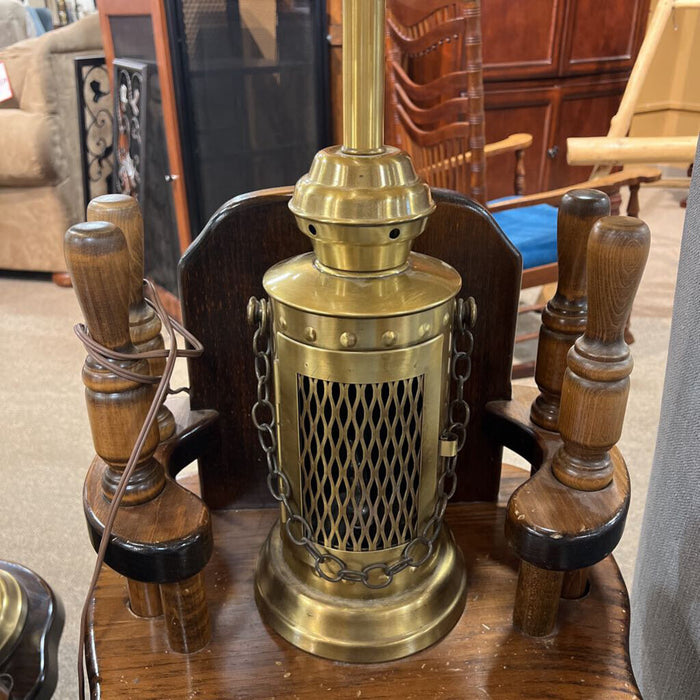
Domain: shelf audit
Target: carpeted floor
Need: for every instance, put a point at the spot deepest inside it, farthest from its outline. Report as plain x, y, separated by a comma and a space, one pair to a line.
47, 447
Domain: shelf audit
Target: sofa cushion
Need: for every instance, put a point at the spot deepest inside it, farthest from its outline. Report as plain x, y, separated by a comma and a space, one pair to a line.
32, 223
26, 150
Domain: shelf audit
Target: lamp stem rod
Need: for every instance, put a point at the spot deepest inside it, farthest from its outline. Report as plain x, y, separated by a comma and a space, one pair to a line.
363, 76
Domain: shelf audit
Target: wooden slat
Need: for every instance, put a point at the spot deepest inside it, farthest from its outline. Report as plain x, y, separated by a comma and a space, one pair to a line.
606, 150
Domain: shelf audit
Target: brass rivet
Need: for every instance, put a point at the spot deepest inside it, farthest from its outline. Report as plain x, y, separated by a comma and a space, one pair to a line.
348, 340
424, 329
446, 320
310, 333
390, 338
283, 323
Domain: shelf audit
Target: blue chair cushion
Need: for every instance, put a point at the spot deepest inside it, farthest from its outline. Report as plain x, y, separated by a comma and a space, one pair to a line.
41, 22
532, 230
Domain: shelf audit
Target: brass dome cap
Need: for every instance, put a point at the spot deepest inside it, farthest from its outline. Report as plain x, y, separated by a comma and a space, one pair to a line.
378, 189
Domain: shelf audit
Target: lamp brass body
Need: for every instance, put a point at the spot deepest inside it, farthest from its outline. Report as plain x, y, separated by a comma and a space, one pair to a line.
361, 343
13, 613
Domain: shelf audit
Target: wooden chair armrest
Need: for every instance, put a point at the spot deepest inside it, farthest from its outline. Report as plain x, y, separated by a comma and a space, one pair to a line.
607, 183
606, 150
514, 142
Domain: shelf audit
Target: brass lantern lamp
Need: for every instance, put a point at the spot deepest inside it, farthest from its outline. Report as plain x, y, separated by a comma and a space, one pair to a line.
356, 344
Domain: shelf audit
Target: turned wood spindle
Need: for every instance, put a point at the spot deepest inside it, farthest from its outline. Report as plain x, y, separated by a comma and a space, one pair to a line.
144, 325
186, 614
98, 262
537, 600
144, 598
575, 584
596, 383
564, 317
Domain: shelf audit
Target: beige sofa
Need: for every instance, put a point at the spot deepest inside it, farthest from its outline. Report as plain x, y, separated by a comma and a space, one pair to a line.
13, 22
41, 191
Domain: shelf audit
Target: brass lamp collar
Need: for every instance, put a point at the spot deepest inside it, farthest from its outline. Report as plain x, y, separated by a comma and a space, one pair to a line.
362, 204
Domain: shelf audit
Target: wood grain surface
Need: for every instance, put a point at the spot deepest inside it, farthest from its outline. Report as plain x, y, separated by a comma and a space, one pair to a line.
596, 383
549, 524
144, 325
564, 317
185, 614
166, 539
98, 259
482, 657
144, 598
537, 600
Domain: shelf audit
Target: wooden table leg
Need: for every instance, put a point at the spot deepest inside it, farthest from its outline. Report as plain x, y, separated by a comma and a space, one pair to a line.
575, 584
537, 600
186, 614
144, 598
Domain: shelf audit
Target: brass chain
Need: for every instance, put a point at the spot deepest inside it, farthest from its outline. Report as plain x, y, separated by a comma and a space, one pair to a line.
329, 566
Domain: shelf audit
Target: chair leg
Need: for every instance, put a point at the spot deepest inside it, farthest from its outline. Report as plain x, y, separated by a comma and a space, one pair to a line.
144, 598
575, 584
186, 614
615, 202
537, 600
633, 204
519, 183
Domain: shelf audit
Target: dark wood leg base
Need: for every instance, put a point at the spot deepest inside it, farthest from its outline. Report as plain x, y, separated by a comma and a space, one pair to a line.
633, 203
144, 598
33, 664
537, 600
186, 614
575, 584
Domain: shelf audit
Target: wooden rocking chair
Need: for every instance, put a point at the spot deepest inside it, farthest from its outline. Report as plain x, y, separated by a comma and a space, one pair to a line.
435, 111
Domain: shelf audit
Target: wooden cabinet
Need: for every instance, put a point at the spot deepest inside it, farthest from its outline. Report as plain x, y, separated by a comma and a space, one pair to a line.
552, 68
521, 39
555, 69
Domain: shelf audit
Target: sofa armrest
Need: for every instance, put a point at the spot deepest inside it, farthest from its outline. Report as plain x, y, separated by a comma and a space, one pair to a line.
41, 68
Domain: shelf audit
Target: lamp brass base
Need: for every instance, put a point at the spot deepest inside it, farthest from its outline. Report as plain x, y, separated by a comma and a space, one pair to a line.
367, 629
13, 613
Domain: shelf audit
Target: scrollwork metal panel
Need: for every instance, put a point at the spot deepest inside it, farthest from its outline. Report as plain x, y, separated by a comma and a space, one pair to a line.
96, 122
130, 100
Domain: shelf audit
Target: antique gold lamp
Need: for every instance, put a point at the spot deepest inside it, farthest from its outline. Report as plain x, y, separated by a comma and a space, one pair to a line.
358, 343
13, 613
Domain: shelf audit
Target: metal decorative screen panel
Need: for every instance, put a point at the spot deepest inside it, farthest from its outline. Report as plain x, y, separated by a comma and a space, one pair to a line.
253, 94
131, 80
142, 166
360, 459
96, 124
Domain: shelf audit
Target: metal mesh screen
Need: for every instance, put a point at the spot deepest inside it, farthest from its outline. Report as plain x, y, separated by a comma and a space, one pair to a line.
360, 458
254, 93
